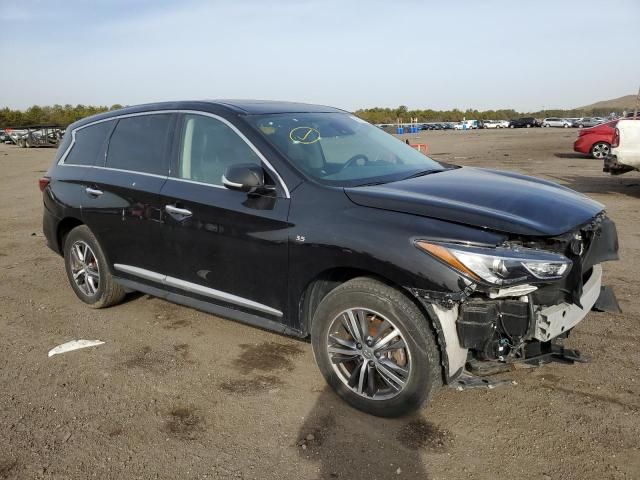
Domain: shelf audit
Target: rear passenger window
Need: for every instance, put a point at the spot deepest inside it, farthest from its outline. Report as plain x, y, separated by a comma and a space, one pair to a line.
208, 147
139, 144
89, 144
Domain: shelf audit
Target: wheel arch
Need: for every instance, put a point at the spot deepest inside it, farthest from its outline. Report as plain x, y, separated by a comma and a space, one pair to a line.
321, 285
64, 227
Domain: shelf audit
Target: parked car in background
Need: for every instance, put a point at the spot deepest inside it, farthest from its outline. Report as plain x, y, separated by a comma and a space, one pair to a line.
40, 136
625, 148
16, 135
595, 141
457, 126
4, 137
406, 269
588, 122
496, 123
524, 122
556, 122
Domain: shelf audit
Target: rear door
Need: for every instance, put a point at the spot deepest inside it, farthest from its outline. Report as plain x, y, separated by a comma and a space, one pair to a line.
122, 206
225, 247
80, 151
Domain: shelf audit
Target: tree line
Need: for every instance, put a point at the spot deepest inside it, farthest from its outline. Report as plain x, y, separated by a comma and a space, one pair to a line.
402, 113
63, 115
60, 115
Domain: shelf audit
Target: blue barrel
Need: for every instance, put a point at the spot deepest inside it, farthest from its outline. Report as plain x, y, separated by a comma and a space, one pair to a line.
399, 130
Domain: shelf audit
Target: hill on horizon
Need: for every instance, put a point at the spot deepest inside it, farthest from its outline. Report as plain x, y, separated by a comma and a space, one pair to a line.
627, 102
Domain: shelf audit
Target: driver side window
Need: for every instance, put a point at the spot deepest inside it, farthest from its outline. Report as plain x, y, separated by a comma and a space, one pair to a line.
208, 147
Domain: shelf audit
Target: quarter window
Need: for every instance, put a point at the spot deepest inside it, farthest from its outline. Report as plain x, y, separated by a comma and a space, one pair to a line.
89, 143
139, 144
208, 147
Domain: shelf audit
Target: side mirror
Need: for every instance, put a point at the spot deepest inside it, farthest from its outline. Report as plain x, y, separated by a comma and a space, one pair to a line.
245, 177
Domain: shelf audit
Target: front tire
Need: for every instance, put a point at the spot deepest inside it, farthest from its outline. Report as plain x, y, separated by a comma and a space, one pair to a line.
88, 271
375, 348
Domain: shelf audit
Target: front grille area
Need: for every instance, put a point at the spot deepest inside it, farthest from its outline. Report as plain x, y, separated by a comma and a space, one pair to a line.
599, 243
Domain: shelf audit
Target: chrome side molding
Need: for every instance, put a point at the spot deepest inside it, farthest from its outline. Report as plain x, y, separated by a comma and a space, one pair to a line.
195, 288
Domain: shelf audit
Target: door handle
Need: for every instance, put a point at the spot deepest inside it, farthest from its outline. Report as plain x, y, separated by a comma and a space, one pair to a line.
93, 192
181, 212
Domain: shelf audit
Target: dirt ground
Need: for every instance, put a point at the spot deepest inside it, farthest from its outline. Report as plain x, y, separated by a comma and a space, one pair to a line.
176, 393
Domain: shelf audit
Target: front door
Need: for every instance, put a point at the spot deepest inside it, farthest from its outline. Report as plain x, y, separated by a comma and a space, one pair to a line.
226, 247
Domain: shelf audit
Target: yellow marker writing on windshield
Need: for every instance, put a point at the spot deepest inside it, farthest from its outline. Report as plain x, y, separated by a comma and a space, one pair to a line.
304, 135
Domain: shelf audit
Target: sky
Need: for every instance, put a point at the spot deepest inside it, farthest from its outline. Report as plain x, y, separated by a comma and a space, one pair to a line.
345, 53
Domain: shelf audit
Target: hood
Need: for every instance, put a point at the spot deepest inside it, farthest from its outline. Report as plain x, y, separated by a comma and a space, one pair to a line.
501, 201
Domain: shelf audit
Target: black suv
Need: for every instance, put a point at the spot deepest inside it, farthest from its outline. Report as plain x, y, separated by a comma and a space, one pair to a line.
311, 222
525, 122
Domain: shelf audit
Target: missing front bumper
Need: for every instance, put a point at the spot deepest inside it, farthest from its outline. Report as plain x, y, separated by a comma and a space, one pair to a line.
557, 319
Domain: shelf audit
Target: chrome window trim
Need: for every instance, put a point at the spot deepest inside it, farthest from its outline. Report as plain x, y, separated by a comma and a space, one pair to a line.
226, 181
191, 112
119, 170
195, 288
135, 172
186, 180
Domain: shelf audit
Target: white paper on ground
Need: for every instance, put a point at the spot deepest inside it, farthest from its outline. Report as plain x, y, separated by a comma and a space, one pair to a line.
74, 345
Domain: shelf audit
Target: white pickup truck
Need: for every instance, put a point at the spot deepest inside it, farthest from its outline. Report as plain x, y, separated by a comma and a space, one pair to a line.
625, 148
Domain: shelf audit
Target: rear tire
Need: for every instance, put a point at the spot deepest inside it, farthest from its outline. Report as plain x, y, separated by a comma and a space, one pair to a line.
88, 271
357, 369
600, 150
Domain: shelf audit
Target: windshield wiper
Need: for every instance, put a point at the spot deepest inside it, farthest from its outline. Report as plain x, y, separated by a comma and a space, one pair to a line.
371, 184
413, 175
422, 173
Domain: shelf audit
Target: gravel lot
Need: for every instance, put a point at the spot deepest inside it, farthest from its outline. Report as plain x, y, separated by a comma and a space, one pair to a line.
176, 393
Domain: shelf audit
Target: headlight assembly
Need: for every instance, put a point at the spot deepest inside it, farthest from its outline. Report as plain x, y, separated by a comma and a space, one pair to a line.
500, 266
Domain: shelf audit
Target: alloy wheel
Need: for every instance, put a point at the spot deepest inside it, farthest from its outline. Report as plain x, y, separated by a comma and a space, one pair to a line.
600, 150
84, 268
369, 354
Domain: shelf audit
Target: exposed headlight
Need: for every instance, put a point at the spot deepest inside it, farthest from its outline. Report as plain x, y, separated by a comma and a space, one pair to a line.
499, 265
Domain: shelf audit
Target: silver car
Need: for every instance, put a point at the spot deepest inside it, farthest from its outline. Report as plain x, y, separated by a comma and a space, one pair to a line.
556, 122
588, 122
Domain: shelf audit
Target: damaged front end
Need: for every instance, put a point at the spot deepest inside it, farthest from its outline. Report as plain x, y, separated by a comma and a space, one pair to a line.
520, 296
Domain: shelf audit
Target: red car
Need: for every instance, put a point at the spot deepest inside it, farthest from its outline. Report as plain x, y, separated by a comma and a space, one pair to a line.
596, 141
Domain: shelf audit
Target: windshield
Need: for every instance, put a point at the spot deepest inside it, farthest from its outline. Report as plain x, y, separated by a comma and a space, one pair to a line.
341, 149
